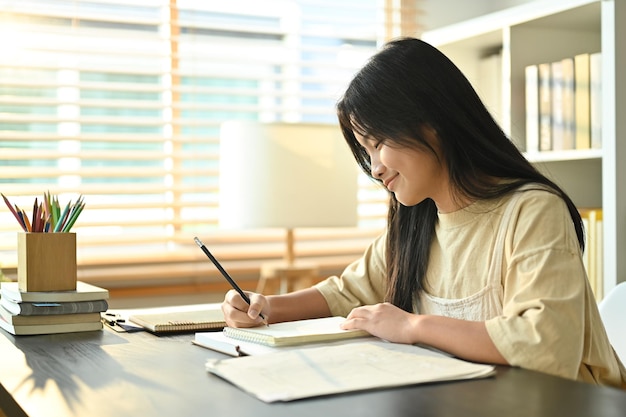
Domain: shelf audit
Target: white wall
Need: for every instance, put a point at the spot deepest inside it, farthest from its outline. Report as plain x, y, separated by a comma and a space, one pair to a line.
439, 13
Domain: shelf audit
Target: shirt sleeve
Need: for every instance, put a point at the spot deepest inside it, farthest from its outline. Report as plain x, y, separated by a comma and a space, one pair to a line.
361, 283
545, 289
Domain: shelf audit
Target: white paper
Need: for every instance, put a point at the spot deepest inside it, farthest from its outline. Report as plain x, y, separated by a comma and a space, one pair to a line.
302, 373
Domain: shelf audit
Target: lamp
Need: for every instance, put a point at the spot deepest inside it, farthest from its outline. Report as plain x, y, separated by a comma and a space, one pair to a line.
285, 175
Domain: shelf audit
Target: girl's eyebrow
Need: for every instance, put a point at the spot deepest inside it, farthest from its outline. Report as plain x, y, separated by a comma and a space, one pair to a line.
367, 142
368, 138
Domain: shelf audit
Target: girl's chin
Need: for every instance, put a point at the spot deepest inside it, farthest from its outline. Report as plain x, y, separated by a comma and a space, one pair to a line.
407, 202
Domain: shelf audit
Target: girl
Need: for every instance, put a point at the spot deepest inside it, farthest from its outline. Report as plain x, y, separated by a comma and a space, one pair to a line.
482, 254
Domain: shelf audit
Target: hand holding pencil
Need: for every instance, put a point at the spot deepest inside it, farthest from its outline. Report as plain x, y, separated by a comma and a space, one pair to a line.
226, 275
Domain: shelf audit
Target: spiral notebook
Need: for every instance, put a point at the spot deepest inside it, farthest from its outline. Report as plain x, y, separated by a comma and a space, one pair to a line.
295, 332
180, 321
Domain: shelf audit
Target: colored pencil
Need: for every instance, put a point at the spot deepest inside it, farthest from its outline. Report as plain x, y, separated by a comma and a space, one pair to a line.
17, 217
46, 216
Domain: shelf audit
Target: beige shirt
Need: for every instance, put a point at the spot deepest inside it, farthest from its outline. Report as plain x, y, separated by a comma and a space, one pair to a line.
548, 318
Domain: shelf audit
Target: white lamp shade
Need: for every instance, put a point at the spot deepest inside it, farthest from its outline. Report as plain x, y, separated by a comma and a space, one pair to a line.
286, 175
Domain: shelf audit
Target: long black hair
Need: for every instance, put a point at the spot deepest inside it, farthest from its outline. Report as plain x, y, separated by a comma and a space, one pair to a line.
410, 85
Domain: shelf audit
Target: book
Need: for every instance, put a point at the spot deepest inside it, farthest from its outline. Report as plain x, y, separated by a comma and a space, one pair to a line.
303, 373
581, 100
545, 107
83, 292
567, 101
532, 108
16, 319
219, 342
556, 96
599, 289
33, 329
595, 99
593, 255
181, 321
295, 332
593, 252
48, 308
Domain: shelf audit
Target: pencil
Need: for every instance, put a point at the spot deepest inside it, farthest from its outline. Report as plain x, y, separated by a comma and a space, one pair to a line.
24, 216
46, 216
17, 217
21, 219
34, 222
46, 207
74, 213
225, 274
63, 218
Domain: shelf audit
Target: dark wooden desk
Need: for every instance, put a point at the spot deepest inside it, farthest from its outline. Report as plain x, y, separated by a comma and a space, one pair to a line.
114, 374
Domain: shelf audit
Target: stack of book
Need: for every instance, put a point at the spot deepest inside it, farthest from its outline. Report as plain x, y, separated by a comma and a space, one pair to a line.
32, 312
563, 104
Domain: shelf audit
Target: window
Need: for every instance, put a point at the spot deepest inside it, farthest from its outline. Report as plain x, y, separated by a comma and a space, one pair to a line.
122, 102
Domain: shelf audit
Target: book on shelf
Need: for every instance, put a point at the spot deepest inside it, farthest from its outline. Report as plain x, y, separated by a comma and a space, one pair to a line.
593, 255
564, 104
595, 99
295, 332
567, 101
599, 291
532, 108
323, 370
181, 321
83, 292
581, 101
556, 109
16, 319
25, 308
545, 107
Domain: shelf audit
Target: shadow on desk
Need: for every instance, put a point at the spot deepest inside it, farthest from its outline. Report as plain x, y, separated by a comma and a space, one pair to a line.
70, 366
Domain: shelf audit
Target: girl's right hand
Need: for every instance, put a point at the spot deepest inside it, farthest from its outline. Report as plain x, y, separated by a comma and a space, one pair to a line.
238, 313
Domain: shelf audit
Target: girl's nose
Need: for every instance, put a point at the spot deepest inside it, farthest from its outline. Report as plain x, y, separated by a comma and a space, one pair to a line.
378, 169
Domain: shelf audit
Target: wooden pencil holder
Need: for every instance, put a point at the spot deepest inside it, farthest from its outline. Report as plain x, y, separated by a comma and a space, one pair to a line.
46, 261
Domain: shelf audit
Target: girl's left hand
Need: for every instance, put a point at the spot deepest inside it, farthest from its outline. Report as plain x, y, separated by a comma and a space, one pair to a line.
385, 321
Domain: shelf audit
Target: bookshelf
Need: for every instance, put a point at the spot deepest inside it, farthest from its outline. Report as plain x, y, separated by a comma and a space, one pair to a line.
545, 31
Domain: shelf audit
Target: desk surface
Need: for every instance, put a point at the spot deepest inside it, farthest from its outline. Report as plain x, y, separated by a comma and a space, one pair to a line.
138, 374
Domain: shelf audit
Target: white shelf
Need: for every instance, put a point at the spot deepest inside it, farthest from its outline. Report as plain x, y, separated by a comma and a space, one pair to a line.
545, 31
494, 22
567, 155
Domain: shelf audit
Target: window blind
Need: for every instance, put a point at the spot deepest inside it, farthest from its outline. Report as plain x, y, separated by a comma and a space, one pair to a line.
122, 102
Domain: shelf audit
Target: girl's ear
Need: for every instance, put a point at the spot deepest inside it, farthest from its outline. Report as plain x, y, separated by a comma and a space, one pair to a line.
430, 134
432, 139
